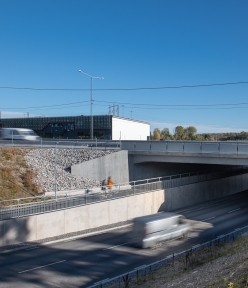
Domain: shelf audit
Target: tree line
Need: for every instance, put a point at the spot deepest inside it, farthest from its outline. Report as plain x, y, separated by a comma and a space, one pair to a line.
190, 133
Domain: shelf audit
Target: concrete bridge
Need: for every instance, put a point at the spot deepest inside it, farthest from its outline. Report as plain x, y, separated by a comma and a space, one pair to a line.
152, 158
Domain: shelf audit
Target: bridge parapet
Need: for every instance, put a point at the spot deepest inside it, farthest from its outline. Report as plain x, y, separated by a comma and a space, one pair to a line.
187, 146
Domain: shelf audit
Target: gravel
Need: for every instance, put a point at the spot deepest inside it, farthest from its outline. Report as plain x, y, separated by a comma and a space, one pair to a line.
50, 162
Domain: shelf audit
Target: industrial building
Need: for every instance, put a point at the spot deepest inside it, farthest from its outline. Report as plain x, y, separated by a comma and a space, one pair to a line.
106, 127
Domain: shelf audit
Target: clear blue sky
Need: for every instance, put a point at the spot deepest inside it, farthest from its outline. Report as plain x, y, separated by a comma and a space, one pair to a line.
132, 44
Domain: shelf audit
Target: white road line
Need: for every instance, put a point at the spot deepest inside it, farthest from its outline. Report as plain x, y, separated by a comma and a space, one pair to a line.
99, 282
41, 266
207, 219
233, 210
143, 266
32, 248
116, 246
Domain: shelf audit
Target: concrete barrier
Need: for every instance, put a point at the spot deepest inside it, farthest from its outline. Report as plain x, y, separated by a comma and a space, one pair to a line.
102, 167
41, 226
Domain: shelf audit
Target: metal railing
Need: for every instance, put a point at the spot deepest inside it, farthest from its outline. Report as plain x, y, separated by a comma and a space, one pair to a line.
16, 208
62, 143
187, 146
132, 277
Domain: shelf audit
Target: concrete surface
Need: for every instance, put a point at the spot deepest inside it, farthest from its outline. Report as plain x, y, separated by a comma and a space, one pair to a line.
197, 158
95, 215
103, 167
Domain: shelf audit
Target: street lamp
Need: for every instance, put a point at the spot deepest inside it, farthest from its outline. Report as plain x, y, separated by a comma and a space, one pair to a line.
55, 172
91, 100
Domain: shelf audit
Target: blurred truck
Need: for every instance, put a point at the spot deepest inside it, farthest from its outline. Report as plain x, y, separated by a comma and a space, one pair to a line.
18, 134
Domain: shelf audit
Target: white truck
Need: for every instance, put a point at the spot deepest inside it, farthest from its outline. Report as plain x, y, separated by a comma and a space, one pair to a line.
18, 134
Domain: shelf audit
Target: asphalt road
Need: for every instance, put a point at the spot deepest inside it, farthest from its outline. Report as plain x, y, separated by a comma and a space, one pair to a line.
84, 261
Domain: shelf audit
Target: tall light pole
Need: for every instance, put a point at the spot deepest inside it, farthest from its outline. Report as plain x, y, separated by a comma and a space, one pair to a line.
91, 100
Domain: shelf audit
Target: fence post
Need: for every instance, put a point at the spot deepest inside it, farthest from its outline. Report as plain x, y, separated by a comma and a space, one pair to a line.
133, 187
44, 206
40, 142
18, 203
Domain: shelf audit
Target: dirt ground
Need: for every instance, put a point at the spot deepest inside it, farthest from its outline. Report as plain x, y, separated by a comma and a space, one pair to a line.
16, 177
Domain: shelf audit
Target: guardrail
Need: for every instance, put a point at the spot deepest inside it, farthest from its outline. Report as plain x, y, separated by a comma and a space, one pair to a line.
16, 208
132, 277
187, 146
59, 143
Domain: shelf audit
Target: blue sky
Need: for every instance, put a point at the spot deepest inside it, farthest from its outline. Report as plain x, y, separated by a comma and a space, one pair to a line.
132, 44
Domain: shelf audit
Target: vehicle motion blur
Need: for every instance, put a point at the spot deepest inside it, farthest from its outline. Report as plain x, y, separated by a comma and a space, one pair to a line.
152, 229
18, 134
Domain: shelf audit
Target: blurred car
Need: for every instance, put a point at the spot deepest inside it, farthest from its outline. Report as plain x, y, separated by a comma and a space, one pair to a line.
151, 229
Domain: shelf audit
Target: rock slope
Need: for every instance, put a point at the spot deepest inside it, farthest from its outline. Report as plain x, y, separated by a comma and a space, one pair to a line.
51, 164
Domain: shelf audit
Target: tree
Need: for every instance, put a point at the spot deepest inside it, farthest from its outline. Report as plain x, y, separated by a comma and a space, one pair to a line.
165, 134
156, 134
190, 132
179, 132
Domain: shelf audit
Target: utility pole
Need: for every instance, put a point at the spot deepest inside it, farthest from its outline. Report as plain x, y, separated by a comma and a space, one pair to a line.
91, 101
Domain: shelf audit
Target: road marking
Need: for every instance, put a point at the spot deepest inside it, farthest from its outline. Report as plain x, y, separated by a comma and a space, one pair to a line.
207, 219
41, 266
116, 246
143, 266
32, 248
99, 282
233, 210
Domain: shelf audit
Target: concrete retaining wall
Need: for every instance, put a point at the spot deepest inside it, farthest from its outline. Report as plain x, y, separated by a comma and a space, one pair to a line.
95, 215
203, 191
52, 224
101, 168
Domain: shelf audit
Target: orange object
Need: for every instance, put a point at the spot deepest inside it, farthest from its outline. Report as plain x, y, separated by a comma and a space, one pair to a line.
110, 183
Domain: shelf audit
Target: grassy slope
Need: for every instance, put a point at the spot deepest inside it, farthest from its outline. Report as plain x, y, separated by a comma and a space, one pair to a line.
16, 178
222, 267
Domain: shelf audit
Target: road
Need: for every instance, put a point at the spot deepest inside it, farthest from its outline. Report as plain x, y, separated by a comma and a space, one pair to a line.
84, 261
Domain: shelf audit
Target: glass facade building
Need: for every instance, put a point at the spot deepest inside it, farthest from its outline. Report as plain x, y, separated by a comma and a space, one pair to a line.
67, 127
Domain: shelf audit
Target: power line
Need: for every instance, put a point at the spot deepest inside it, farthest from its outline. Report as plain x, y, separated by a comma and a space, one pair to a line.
178, 105
125, 89
47, 106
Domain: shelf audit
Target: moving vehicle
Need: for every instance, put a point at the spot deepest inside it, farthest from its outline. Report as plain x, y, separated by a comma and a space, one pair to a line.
18, 134
152, 229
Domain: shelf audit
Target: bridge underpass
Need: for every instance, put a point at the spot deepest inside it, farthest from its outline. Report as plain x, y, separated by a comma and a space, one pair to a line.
155, 158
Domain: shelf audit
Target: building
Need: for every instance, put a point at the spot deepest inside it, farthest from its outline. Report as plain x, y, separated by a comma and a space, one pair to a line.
106, 127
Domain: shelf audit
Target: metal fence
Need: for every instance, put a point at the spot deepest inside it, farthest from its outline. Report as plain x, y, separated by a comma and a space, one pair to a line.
187, 146
37, 205
57, 143
133, 277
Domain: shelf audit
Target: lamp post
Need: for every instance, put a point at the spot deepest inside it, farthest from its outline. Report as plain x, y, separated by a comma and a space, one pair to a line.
91, 101
55, 172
